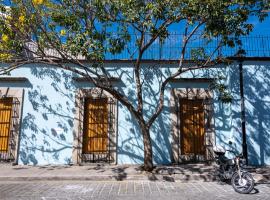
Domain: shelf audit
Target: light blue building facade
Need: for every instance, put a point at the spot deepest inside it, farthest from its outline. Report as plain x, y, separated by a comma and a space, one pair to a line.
48, 115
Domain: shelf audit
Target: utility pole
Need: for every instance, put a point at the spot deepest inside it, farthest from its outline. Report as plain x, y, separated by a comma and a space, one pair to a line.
243, 113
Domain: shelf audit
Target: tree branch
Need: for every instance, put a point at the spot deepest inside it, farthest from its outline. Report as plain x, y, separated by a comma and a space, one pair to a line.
177, 73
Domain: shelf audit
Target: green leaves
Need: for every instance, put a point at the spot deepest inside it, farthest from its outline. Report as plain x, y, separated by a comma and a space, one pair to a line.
198, 54
224, 95
116, 45
94, 28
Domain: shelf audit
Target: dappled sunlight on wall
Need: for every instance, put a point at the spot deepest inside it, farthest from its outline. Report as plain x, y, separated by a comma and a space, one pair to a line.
257, 107
257, 97
130, 145
49, 111
47, 121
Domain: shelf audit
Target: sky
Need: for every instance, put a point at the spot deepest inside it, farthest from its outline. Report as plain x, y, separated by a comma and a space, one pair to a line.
260, 28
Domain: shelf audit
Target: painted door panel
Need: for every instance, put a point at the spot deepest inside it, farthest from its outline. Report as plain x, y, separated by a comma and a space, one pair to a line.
95, 138
5, 121
192, 127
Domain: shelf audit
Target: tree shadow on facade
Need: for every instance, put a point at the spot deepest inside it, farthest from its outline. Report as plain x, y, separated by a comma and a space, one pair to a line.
257, 103
47, 104
257, 107
132, 146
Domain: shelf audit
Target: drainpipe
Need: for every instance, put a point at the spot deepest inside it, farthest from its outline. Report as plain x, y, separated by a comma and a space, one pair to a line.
243, 115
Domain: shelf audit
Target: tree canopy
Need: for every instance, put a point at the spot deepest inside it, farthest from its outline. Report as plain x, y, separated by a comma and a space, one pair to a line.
92, 28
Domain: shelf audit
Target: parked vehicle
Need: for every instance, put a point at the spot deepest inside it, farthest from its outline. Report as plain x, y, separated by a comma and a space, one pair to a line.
232, 169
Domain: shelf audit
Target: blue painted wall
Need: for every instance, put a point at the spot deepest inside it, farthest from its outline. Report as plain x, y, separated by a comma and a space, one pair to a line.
48, 113
47, 119
257, 103
257, 106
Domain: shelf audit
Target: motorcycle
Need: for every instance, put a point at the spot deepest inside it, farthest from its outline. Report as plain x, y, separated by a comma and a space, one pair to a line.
233, 169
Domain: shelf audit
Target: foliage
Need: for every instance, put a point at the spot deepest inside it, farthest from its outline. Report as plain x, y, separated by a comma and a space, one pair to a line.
92, 28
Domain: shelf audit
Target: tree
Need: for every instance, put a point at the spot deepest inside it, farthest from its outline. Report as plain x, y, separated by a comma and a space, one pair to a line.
87, 30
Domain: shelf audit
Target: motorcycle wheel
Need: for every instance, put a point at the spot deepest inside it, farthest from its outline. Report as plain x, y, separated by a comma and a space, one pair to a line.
245, 186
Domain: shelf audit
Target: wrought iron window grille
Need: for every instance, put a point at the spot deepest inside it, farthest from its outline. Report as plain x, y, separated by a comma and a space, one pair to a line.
105, 155
9, 125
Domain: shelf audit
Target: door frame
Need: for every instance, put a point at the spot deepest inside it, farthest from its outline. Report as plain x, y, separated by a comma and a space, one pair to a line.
191, 93
17, 94
81, 95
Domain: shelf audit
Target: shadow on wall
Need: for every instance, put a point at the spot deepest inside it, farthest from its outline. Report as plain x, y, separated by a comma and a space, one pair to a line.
132, 146
40, 142
257, 101
50, 109
257, 105
161, 129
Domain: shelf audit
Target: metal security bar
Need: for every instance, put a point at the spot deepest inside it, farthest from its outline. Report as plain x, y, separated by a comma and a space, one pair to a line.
170, 49
99, 118
209, 129
9, 123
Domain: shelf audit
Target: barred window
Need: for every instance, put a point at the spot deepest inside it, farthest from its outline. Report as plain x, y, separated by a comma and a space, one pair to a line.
9, 128
5, 123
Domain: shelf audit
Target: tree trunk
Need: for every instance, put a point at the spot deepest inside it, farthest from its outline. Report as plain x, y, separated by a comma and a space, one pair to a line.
148, 152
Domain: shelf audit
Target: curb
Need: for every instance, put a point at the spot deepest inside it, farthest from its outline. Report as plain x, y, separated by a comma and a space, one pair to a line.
166, 177
261, 179
65, 178
150, 177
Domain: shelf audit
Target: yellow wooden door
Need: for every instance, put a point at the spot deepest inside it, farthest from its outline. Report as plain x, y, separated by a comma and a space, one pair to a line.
95, 137
5, 123
192, 127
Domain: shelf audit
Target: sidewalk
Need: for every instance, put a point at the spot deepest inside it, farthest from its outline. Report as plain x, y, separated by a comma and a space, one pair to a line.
184, 173
262, 175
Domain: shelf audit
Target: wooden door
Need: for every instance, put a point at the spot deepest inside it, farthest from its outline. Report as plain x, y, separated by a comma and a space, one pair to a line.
95, 137
192, 127
5, 123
